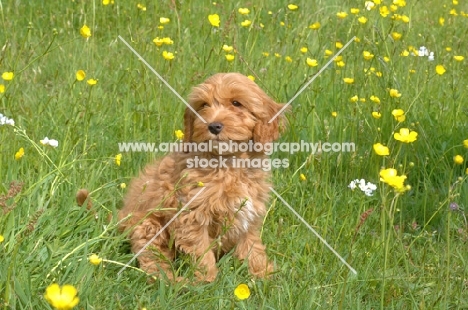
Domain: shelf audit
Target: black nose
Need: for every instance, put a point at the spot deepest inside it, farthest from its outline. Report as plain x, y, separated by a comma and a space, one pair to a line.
215, 128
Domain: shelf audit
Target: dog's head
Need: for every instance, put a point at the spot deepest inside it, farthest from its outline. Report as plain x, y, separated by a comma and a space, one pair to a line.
234, 108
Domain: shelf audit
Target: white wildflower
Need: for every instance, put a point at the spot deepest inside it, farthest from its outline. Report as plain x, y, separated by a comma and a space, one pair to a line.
368, 188
431, 56
369, 5
51, 142
6, 121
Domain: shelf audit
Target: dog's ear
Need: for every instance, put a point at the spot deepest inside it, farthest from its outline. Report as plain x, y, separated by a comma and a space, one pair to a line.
266, 131
188, 125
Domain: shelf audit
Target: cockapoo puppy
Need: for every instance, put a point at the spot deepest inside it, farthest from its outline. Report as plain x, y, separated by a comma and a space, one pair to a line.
228, 214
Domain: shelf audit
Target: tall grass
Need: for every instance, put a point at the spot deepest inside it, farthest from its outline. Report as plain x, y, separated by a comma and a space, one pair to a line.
408, 251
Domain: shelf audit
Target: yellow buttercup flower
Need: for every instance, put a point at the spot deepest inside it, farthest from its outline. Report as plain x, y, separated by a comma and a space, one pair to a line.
179, 134
95, 259
367, 55
458, 58
391, 177
214, 20
441, 21
381, 150
348, 80
338, 45
396, 36
315, 26
394, 93
311, 62
141, 7
354, 11
244, 11
8, 76
341, 14
376, 115
246, 23
164, 20
288, 59
123, 185
200, 184
158, 41
292, 7
167, 40
384, 11
167, 55
328, 53
399, 115
440, 69
2, 88
61, 298
465, 143
229, 57
334, 114
118, 159
375, 99
251, 77
405, 19
80, 75
227, 48
400, 3
265, 54
85, 31
362, 20
303, 50
405, 135
340, 63
302, 177
354, 98
91, 82
242, 291
458, 159
2, 238
405, 53
19, 154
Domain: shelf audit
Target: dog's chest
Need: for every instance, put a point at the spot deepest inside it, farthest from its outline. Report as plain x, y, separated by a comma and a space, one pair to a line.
232, 200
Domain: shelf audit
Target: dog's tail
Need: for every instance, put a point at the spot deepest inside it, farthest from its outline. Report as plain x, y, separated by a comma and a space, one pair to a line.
82, 196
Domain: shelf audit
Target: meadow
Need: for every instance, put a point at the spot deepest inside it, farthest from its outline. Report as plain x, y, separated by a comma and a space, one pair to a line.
398, 91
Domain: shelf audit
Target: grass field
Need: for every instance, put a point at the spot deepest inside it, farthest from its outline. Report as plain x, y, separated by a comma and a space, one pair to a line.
407, 242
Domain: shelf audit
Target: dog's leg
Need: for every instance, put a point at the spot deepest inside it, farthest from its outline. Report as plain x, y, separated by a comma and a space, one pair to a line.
194, 240
156, 258
250, 247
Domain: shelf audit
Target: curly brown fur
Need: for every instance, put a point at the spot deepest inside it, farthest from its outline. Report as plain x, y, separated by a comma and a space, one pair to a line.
229, 213
82, 196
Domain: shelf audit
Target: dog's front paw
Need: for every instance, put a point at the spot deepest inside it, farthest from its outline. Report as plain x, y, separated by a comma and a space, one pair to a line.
262, 270
208, 275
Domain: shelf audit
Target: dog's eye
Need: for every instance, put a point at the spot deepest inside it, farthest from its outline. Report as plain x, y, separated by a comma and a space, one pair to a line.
236, 103
204, 105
